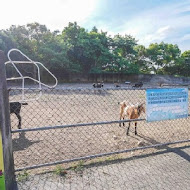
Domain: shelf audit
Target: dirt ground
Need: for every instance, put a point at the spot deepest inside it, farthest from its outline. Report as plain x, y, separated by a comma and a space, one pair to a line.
64, 106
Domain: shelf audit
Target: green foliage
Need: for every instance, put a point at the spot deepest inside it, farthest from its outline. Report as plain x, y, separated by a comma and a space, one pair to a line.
22, 176
162, 56
75, 50
59, 170
79, 167
183, 66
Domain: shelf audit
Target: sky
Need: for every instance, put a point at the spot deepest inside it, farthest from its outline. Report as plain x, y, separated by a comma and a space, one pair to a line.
148, 21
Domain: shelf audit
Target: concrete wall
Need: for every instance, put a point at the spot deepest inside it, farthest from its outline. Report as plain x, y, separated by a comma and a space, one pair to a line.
111, 78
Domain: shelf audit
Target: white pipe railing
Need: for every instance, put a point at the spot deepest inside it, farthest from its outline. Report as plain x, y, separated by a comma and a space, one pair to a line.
21, 77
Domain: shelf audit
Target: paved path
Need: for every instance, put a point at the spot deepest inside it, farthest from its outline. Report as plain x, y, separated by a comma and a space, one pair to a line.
167, 169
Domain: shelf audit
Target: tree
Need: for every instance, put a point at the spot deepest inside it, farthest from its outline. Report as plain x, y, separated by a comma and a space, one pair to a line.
183, 66
77, 50
142, 59
87, 51
124, 53
162, 55
6, 41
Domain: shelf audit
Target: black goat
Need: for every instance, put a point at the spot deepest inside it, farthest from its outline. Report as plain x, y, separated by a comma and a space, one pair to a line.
139, 84
15, 108
98, 85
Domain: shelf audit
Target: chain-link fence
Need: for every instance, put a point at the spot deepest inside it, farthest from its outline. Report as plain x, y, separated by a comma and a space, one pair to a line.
73, 124
159, 169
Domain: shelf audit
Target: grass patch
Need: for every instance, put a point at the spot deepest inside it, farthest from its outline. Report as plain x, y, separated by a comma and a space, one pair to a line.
59, 170
22, 176
79, 167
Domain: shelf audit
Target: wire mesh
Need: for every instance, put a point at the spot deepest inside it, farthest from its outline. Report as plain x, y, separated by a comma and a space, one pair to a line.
76, 106
165, 168
60, 107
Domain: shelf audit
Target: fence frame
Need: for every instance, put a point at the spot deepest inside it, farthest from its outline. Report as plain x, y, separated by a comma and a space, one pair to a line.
5, 128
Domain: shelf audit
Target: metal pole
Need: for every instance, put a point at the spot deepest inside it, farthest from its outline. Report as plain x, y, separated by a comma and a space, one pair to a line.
5, 128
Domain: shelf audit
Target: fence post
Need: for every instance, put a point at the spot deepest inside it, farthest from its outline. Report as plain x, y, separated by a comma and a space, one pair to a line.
5, 129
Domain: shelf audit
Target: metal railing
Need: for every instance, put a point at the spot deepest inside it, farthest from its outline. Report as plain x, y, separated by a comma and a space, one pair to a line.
23, 78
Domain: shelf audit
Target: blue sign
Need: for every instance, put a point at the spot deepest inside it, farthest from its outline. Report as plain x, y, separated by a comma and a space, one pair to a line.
165, 104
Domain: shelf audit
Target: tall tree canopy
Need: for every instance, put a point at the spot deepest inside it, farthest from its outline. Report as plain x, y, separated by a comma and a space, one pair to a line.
162, 55
77, 50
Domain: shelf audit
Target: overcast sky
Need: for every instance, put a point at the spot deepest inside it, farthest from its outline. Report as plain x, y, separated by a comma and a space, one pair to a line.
148, 21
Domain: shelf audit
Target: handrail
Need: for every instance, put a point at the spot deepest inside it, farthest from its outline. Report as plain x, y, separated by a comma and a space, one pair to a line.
21, 77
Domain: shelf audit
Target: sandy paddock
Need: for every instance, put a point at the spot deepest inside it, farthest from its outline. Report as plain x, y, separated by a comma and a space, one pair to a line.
72, 106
